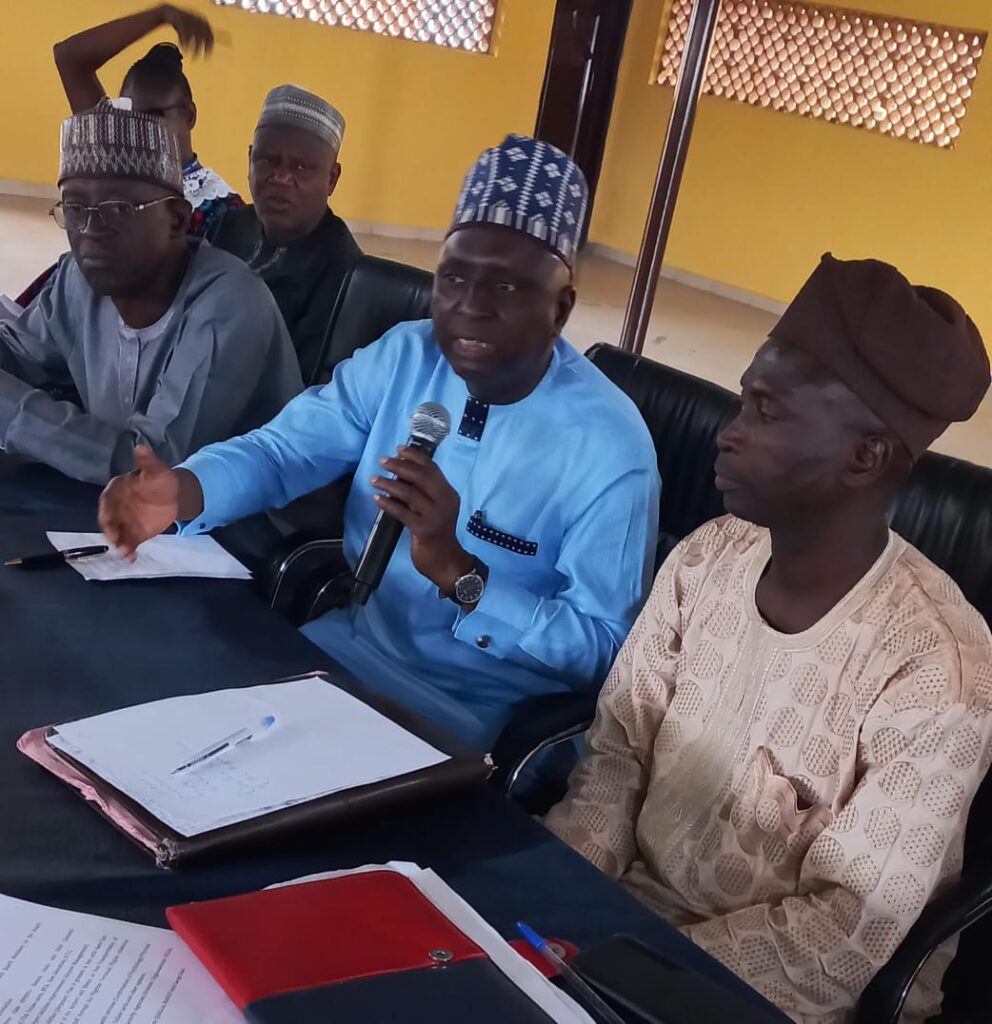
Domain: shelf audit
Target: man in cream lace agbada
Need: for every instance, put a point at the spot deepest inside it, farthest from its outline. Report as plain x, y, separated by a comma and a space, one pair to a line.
786, 750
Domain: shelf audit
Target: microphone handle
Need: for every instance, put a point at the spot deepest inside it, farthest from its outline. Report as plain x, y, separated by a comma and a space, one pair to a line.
379, 548
381, 543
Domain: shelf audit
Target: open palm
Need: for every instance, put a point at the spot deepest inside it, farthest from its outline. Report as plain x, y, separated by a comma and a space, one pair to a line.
139, 505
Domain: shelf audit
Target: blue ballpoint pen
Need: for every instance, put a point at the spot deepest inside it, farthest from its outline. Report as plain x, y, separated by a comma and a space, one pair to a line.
236, 739
581, 988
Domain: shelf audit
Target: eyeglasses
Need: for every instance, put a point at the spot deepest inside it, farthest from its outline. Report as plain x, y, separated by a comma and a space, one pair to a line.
114, 214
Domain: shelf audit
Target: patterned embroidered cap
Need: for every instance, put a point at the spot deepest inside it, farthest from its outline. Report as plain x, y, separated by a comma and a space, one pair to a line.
111, 141
528, 186
294, 107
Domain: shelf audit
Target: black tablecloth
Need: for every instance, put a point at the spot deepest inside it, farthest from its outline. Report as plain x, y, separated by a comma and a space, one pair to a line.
72, 648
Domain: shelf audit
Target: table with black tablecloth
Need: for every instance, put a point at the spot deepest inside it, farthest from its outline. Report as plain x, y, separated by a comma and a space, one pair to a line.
72, 648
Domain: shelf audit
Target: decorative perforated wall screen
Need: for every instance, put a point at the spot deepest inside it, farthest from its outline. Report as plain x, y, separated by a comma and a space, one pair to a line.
883, 73
464, 25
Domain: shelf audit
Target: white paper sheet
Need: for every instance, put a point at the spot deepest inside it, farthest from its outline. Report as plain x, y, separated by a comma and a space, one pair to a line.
558, 1005
323, 741
157, 558
60, 967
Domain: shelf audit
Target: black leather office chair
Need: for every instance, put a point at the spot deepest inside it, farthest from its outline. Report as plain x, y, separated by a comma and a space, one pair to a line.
377, 295
684, 415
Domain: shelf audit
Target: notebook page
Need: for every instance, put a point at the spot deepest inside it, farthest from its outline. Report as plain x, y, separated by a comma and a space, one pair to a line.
323, 741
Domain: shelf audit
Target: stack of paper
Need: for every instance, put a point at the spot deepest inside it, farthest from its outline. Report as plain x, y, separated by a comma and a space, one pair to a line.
323, 741
158, 558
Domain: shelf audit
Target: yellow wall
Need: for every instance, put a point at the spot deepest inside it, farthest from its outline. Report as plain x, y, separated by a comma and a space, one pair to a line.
765, 193
417, 114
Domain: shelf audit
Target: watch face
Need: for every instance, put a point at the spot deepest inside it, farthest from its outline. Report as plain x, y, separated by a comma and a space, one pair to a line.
469, 589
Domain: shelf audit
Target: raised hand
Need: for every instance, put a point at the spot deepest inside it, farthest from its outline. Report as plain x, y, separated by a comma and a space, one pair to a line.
195, 34
81, 56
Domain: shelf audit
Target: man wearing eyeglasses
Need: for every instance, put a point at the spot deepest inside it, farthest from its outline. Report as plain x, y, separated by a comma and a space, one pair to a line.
159, 339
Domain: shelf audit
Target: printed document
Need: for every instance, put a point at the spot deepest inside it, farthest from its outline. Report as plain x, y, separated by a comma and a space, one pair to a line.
60, 967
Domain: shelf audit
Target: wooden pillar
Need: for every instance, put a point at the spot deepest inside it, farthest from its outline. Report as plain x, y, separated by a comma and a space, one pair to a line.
666, 187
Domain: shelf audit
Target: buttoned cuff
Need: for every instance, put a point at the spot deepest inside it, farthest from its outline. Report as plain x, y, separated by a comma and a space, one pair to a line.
215, 482
499, 621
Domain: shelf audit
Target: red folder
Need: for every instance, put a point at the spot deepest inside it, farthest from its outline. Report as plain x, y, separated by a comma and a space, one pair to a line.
319, 936
318, 933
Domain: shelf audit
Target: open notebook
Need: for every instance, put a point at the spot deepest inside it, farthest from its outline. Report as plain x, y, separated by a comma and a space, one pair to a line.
329, 752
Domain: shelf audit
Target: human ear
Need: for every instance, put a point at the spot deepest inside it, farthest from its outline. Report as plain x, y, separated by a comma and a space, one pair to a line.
870, 461
564, 304
180, 212
333, 178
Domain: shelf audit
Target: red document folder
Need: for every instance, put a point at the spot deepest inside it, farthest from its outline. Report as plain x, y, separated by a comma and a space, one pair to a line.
368, 943
318, 933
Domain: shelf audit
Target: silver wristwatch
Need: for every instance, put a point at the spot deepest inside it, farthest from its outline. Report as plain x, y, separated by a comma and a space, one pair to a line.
470, 587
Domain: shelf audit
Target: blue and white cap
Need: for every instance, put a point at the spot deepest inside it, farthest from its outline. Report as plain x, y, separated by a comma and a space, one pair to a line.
527, 186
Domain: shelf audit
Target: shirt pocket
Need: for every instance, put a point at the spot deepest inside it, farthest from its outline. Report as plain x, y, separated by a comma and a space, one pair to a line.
482, 530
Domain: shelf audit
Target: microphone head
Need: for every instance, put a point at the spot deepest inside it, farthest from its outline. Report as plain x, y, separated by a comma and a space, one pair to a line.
430, 421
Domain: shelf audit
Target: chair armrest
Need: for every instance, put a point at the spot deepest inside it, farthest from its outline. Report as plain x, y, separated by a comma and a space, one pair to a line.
968, 901
296, 567
327, 592
537, 723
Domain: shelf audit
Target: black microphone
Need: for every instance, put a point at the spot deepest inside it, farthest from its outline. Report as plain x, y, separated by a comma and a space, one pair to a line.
428, 428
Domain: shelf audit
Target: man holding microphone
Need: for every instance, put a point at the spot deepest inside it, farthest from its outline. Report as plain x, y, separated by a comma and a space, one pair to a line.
530, 536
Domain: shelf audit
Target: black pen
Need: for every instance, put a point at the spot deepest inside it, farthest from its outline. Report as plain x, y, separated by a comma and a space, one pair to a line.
57, 557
